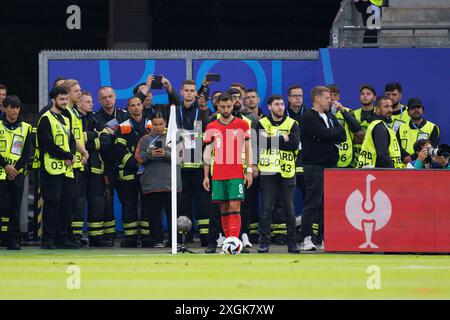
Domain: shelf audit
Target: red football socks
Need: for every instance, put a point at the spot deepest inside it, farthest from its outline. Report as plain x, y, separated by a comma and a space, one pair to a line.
225, 225
234, 224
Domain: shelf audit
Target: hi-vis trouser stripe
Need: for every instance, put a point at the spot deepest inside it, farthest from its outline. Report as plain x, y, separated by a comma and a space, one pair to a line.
109, 227
203, 226
315, 229
131, 229
95, 229
77, 227
4, 224
278, 229
145, 228
254, 228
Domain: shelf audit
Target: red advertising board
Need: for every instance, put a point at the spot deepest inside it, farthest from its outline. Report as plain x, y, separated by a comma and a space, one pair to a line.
442, 198
387, 211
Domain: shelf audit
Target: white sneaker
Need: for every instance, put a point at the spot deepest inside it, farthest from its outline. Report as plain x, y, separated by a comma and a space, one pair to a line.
307, 245
220, 240
245, 241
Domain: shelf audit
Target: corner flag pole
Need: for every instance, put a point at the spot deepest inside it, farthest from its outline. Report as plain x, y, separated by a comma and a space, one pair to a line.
172, 131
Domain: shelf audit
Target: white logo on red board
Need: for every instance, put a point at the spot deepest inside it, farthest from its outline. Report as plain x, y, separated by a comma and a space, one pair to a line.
367, 213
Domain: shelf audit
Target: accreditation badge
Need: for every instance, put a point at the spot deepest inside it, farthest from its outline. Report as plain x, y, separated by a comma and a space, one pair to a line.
17, 145
189, 139
396, 125
422, 135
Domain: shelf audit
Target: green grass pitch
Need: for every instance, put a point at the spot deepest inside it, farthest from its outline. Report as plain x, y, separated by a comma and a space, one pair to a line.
139, 274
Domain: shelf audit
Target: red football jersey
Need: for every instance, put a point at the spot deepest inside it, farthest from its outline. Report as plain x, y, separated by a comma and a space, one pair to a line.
228, 142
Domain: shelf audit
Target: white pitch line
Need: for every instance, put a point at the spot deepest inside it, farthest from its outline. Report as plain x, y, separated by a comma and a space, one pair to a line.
421, 267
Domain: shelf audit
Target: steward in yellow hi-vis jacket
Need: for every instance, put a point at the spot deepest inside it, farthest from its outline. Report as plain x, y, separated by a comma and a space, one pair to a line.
57, 148
380, 148
15, 142
400, 113
416, 129
351, 125
127, 138
71, 112
363, 115
278, 141
346, 118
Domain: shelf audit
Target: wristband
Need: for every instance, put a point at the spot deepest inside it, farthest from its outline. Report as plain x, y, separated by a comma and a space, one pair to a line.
249, 170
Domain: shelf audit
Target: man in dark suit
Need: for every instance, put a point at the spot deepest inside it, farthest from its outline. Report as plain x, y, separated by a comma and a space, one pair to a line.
321, 134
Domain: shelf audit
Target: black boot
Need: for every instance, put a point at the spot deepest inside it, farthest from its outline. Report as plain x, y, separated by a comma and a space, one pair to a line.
204, 240
99, 242
13, 245
210, 250
147, 242
48, 245
129, 242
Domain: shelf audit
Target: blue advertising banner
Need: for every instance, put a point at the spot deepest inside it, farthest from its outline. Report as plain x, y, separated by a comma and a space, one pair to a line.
423, 73
122, 75
266, 76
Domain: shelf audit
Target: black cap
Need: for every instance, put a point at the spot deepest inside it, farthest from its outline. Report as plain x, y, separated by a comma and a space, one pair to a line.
415, 102
232, 91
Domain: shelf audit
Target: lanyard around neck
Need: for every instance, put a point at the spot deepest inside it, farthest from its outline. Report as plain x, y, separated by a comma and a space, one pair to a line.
182, 115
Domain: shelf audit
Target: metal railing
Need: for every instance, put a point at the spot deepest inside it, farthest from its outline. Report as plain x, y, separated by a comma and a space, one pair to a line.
346, 32
345, 16
356, 37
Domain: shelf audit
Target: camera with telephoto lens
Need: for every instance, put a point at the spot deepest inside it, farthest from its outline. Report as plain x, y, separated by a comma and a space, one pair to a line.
442, 150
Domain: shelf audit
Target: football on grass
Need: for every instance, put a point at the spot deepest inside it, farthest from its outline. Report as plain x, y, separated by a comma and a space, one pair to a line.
232, 245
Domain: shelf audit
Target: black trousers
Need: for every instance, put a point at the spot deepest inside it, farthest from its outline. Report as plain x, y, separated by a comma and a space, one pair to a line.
57, 193
312, 214
195, 196
250, 218
215, 225
129, 192
10, 201
300, 177
109, 217
278, 226
96, 202
153, 204
270, 185
79, 203
278, 223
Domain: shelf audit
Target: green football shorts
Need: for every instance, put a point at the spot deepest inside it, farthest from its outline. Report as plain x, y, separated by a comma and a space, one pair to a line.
226, 190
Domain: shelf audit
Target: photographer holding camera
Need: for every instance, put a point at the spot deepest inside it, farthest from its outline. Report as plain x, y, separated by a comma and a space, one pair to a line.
418, 128
429, 157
